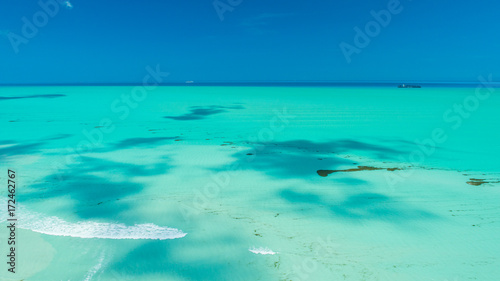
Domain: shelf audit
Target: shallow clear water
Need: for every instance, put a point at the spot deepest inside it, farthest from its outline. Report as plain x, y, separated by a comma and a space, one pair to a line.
198, 183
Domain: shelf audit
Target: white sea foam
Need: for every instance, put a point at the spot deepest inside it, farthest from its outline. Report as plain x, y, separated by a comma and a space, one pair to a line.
51, 225
262, 251
92, 271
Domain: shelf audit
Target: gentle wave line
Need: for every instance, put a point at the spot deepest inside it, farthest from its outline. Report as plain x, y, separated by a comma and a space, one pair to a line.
262, 251
51, 225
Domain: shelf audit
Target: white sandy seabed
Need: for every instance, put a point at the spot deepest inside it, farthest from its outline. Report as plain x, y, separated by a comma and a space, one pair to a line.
201, 196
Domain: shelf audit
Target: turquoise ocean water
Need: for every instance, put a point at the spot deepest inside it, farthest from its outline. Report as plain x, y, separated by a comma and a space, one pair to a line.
222, 183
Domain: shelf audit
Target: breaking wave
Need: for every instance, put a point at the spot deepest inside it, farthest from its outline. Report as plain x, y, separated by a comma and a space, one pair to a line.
51, 225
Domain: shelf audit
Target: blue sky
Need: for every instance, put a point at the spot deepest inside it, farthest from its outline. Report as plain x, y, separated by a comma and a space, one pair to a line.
113, 41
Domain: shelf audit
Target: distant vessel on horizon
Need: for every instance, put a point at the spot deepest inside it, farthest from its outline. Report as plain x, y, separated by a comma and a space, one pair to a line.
189, 82
409, 86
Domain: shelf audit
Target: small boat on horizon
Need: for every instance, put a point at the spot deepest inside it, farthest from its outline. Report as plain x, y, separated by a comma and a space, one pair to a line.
409, 86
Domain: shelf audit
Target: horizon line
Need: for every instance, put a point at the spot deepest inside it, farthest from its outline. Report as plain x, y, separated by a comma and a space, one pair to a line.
256, 82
